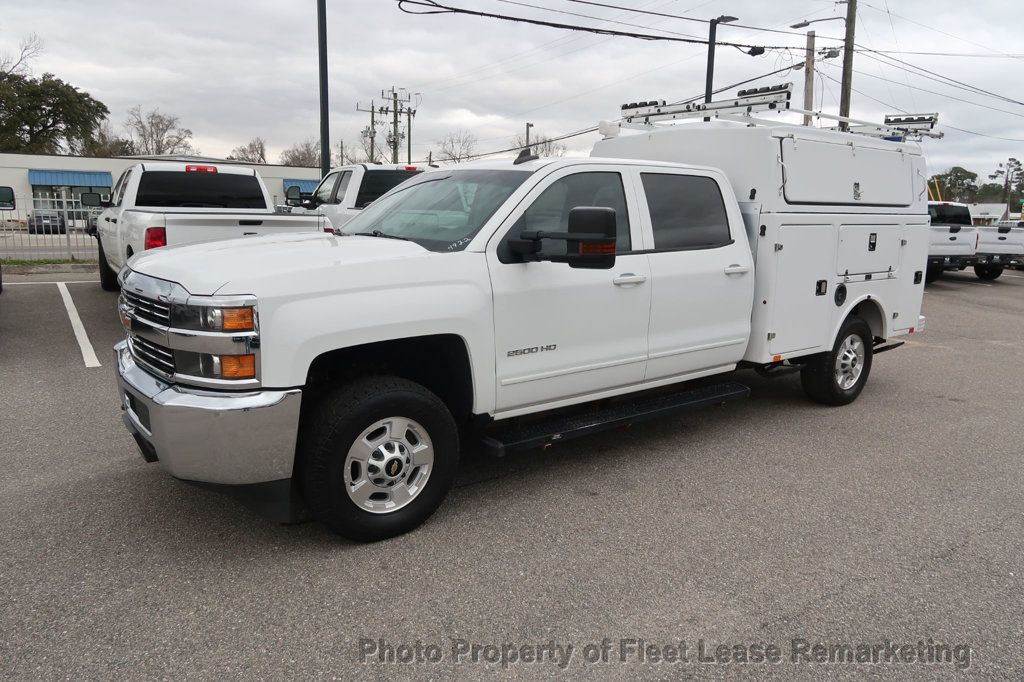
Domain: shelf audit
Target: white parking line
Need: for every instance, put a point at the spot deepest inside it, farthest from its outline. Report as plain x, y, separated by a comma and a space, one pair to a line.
76, 281
88, 354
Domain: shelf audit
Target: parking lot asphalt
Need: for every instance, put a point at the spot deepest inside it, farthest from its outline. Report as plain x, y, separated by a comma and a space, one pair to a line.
896, 520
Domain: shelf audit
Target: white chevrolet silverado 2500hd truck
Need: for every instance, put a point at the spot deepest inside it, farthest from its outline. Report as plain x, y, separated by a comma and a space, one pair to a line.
954, 238
523, 303
347, 190
164, 203
999, 246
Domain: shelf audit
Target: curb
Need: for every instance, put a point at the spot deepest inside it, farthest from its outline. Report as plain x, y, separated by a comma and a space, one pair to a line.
50, 269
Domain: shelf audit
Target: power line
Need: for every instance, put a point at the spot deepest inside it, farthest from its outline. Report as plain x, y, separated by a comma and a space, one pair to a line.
684, 18
949, 81
931, 28
436, 7
683, 101
941, 125
590, 16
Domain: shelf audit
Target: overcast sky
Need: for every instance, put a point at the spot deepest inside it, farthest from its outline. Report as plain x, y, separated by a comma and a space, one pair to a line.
235, 69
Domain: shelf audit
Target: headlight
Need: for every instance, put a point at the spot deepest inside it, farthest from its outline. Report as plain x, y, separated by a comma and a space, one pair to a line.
208, 366
212, 319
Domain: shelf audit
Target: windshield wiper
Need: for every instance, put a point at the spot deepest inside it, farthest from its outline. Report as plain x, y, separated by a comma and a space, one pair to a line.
378, 233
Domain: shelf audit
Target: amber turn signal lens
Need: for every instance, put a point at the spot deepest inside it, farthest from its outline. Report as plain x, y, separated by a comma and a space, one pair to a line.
237, 319
238, 366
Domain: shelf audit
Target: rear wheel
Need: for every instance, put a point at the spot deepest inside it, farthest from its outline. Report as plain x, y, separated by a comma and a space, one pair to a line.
988, 272
932, 274
838, 376
377, 457
108, 278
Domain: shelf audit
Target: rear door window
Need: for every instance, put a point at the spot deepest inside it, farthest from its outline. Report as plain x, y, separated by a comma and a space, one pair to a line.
174, 189
687, 212
944, 214
377, 183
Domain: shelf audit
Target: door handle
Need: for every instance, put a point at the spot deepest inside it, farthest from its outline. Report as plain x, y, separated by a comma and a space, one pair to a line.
737, 269
629, 278
113, 220
107, 218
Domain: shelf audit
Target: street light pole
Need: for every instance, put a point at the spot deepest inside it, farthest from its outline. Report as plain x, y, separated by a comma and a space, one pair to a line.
325, 132
712, 33
528, 126
844, 99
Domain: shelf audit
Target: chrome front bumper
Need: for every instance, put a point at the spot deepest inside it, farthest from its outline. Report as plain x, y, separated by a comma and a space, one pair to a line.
208, 436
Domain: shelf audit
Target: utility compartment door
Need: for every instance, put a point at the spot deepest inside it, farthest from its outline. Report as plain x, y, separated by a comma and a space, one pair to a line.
867, 249
846, 174
800, 314
914, 263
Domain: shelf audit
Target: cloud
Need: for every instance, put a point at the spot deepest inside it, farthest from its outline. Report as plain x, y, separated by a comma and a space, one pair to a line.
234, 69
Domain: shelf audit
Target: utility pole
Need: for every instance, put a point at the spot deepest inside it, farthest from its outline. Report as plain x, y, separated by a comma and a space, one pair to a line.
371, 132
409, 114
528, 126
325, 133
809, 78
851, 26
712, 32
400, 104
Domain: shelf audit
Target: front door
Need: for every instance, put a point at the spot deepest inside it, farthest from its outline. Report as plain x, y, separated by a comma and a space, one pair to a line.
563, 332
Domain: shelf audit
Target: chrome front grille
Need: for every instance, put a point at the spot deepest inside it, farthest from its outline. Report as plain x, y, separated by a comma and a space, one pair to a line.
148, 309
152, 354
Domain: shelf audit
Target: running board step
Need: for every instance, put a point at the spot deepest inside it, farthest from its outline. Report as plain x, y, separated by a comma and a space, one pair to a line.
546, 432
882, 347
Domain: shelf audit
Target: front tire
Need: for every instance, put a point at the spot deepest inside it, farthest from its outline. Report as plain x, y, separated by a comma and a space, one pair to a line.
108, 278
988, 272
377, 456
838, 376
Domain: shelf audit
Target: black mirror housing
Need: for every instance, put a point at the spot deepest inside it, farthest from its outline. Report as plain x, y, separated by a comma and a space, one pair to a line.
1004, 229
7, 202
293, 195
591, 242
92, 200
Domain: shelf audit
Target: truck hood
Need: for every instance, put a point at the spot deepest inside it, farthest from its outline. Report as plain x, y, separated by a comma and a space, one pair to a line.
240, 266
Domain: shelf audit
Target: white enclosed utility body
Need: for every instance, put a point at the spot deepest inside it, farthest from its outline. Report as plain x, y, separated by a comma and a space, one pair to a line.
835, 221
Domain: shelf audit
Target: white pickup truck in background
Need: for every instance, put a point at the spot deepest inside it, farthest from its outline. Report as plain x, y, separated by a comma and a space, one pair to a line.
521, 303
999, 246
166, 203
346, 190
954, 238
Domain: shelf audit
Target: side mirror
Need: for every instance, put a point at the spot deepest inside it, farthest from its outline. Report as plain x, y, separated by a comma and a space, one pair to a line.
293, 196
92, 200
7, 202
589, 242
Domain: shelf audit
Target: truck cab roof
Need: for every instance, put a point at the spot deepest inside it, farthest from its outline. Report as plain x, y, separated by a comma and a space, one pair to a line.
182, 167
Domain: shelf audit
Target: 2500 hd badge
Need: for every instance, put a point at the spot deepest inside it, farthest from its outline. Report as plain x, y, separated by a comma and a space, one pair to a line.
532, 350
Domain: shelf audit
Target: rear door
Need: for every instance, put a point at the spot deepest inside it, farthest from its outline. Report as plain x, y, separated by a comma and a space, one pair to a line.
701, 271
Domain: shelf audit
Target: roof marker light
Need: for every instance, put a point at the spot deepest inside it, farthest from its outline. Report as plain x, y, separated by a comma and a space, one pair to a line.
200, 169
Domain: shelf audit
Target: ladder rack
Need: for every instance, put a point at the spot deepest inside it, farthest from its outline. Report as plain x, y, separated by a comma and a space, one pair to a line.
777, 98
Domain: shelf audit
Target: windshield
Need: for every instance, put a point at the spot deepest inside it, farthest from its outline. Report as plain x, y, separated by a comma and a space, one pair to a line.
947, 214
440, 211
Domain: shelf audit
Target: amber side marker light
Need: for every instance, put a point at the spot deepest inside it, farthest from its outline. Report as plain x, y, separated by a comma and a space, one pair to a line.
237, 319
238, 366
596, 249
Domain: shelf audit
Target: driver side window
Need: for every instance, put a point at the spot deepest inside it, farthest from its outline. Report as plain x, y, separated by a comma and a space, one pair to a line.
550, 211
324, 192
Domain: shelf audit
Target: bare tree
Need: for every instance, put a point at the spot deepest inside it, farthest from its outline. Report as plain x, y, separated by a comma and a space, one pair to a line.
155, 134
350, 153
30, 47
254, 151
105, 142
542, 145
302, 154
457, 147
